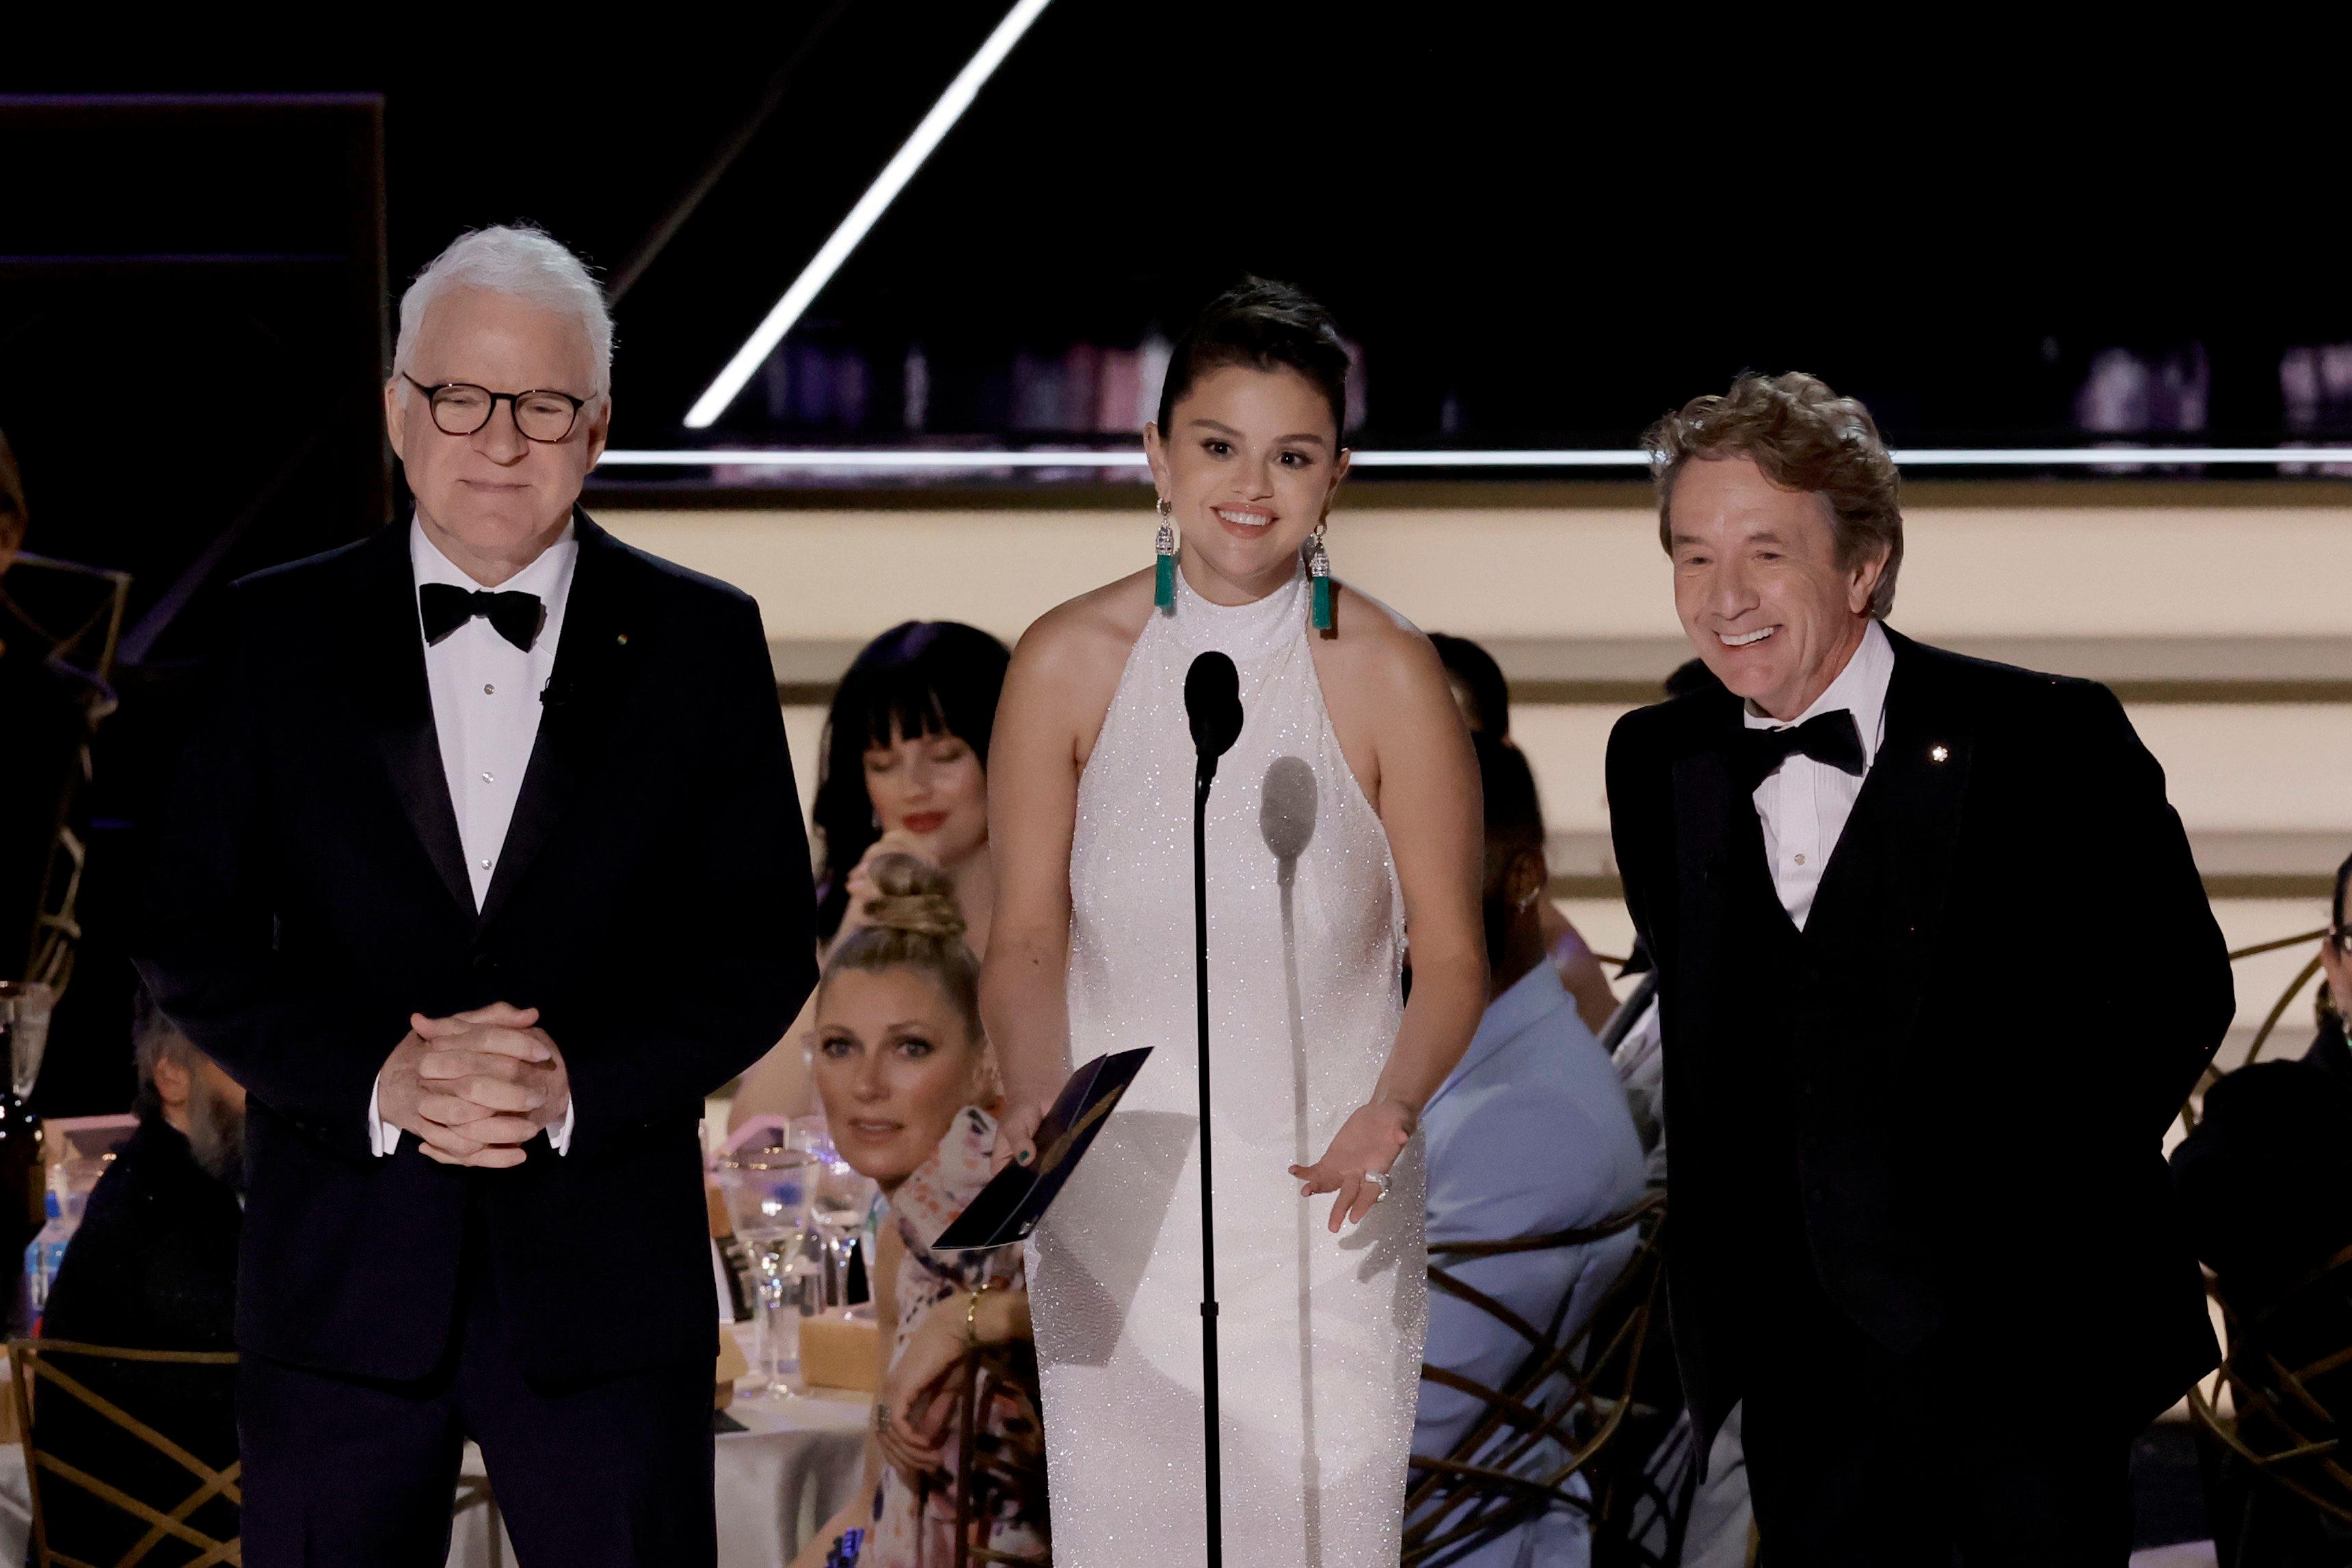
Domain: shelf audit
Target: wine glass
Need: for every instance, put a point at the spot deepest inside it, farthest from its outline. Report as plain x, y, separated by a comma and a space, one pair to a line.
767, 1189
839, 1201
25, 1010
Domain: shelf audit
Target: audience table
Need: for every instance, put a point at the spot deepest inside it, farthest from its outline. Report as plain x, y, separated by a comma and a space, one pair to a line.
794, 1465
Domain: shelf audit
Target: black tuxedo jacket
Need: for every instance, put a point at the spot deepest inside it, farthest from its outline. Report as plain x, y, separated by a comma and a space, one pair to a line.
2009, 982
652, 900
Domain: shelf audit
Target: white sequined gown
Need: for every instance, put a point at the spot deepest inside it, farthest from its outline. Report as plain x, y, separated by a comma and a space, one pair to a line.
1320, 1334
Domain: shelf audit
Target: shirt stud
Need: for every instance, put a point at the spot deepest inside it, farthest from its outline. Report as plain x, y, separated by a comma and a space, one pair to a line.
488, 690
1939, 754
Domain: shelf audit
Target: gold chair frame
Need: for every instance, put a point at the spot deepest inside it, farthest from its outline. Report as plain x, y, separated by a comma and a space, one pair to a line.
2257, 1379
987, 1369
1596, 1367
2272, 1381
33, 1362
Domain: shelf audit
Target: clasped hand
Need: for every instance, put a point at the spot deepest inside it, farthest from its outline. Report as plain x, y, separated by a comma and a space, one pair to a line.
477, 1086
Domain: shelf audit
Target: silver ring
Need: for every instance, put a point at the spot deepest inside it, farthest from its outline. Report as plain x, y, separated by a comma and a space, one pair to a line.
1379, 1179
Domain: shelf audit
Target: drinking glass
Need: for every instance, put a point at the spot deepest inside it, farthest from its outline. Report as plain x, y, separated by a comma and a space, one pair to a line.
839, 1201
25, 1008
768, 1191
810, 1133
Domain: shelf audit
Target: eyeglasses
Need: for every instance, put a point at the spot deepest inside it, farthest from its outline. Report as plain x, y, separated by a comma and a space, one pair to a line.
461, 408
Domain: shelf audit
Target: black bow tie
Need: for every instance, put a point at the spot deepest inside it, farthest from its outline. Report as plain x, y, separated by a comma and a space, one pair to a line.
514, 616
1831, 738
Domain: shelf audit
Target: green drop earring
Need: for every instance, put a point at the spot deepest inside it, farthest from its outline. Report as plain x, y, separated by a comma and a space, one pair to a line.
1318, 575
1163, 571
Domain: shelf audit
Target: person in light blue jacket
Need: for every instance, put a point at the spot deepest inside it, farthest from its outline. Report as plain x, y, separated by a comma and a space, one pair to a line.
1530, 1134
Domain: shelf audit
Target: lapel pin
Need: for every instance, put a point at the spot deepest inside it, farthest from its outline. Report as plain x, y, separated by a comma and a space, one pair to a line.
622, 639
1939, 754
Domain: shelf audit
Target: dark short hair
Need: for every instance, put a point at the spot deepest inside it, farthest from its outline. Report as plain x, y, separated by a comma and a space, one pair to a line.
1802, 436
1262, 324
1514, 817
920, 677
1481, 678
2343, 882
1690, 676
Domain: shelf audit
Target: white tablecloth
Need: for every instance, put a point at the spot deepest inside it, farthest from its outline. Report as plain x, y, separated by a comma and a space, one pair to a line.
795, 1465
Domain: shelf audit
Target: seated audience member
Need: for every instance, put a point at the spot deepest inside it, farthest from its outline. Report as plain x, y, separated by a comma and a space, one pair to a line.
153, 1264
1485, 699
151, 1267
910, 1096
2266, 1183
904, 771
1530, 1134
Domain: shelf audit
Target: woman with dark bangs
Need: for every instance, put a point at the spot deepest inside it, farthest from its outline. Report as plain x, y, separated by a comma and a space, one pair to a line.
906, 772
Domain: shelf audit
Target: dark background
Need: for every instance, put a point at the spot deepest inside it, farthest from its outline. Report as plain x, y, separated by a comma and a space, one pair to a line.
1539, 228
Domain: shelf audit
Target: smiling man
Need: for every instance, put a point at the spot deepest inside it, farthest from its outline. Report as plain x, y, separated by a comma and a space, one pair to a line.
1892, 894
483, 869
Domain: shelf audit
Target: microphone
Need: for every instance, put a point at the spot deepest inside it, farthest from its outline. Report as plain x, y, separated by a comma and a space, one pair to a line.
1212, 705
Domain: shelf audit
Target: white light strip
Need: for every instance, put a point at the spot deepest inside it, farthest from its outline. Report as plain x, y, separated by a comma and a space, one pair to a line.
870, 206
911, 460
914, 461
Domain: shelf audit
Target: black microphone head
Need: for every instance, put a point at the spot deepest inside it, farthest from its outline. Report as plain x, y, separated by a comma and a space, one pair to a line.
1212, 703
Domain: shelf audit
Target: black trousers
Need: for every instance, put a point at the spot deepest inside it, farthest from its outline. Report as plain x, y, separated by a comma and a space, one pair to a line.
348, 1473
1952, 1455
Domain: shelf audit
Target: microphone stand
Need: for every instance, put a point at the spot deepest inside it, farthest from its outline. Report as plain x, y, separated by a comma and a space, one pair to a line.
1204, 771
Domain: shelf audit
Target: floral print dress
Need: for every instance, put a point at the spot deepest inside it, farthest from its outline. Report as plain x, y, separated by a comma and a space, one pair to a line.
914, 1524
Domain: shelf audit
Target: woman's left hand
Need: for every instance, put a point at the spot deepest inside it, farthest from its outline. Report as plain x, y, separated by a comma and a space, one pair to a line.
1367, 1145
918, 1391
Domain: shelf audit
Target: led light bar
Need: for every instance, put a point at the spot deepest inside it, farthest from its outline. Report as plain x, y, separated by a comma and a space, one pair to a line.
870, 206
912, 460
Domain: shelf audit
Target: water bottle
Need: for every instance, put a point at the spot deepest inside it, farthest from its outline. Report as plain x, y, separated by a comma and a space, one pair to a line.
47, 1252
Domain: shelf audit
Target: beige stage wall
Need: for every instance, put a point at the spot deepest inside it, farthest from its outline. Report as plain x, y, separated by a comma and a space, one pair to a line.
2221, 614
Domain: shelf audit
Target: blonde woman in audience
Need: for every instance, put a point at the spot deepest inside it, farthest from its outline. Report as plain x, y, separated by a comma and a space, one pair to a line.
904, 771
911, 1094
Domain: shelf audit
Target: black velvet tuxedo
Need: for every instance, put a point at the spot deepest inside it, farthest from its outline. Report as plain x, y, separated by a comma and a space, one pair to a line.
651, 900
1932, 1119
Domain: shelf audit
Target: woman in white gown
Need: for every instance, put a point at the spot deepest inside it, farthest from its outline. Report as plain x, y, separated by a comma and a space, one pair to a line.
1346, 812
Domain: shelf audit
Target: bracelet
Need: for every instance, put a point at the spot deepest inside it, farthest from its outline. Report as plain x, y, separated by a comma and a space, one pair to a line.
971, 1313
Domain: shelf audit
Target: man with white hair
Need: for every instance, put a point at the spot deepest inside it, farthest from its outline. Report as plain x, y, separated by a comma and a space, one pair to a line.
483, 870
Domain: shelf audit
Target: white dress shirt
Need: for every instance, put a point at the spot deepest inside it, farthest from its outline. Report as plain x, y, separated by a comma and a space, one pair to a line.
1804, 804
486, 712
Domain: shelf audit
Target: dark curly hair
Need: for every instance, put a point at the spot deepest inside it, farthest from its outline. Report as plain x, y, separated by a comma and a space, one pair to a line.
920, 677
1802, 436
1263, 324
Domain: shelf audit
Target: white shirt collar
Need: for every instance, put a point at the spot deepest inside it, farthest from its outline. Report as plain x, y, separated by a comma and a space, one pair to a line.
1860, 687
549, 576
